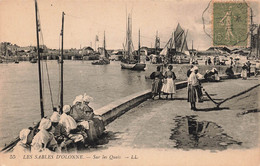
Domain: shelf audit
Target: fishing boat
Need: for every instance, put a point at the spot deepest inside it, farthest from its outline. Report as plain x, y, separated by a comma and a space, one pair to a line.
128, 62
176, 49
9, 147
104, 57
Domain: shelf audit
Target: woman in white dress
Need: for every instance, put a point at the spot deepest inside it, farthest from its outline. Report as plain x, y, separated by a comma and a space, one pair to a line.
169, 86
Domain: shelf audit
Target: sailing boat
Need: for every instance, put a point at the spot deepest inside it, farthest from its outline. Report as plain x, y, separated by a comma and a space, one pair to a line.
129, 62
103, 60
12, 144
177, 45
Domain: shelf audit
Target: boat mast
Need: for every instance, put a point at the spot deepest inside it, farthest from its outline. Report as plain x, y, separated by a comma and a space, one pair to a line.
105, 44
139, 46
155, 45
128, 38
61, 73
39, 59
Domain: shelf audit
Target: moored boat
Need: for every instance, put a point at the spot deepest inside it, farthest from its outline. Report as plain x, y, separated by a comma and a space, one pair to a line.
104, 57
129, 62
135, 66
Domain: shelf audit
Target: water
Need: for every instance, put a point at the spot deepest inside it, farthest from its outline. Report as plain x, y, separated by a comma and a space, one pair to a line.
193, 134
19, 90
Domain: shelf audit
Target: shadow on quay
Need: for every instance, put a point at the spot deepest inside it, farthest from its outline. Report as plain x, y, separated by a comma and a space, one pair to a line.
212, 109
190, 133
103, 140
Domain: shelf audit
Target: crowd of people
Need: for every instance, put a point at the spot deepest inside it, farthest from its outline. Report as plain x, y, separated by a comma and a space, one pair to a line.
75, 128
165, 83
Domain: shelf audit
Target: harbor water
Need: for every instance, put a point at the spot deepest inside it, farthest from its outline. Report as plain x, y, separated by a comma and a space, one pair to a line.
19, 90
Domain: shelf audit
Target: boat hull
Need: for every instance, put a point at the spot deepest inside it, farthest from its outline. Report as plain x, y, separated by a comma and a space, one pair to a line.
135, 66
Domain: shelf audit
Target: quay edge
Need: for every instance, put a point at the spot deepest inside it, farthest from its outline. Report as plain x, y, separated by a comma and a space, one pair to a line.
117, 108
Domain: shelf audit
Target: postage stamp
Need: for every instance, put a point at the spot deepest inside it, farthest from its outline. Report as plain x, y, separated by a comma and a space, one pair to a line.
230, 24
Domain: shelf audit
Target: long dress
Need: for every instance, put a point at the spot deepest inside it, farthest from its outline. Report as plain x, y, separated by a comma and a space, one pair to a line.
157, 82
193, 85
169, 87
244, 72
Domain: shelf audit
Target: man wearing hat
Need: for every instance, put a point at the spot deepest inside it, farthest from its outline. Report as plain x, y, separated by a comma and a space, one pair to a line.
44, 139
194, 88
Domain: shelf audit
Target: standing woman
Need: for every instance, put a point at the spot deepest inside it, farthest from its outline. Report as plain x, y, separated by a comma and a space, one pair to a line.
244, 72
157, 77
193, 85
169, 87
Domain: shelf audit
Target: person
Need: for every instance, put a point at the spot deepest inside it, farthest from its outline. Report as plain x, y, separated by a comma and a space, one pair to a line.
83, 119
60, 134
244, 72
98, 121
157, 77
169, 87
194, 88
73, 131
189, 71
209, 61
23, 146
44, 140
249, 68
230, 72
212, 75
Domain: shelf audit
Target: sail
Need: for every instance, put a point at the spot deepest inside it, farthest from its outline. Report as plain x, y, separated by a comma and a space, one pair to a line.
179, 38
166, 47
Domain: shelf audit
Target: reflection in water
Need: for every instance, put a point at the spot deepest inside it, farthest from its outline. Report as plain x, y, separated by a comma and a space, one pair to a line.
192, 134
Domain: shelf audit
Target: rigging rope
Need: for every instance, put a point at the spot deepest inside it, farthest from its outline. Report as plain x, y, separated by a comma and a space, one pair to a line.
46, 65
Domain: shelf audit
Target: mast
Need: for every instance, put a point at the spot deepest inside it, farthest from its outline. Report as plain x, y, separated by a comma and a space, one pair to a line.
39, 59
128, 37
61, 73
155, 45
171, 44
105, 43
139, 46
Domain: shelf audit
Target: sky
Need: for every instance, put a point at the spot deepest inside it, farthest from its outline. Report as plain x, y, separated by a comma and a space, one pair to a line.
84, 19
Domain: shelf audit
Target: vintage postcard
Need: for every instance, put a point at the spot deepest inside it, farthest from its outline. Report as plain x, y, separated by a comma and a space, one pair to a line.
127, 82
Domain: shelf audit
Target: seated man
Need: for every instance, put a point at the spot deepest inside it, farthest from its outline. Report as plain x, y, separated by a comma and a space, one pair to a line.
60, 133
44, 140
230, 72
83, 119
98, 121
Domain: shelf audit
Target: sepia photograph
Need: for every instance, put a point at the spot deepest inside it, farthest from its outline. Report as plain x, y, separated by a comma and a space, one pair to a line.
128, 82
